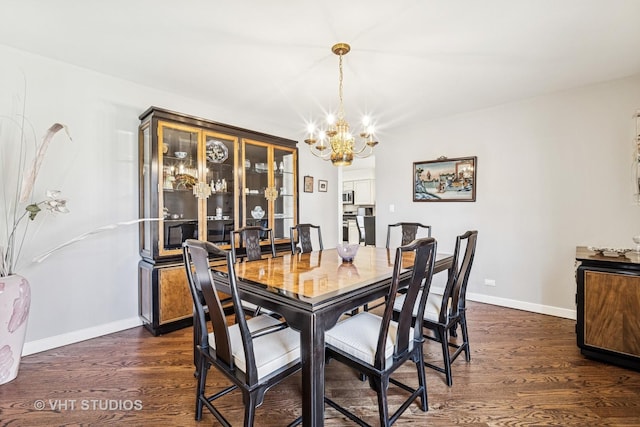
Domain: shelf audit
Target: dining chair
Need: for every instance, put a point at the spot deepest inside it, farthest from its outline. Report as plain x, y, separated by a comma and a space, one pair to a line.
249, 238
409, 231
253, 354
443, 313
304, 242
376, 346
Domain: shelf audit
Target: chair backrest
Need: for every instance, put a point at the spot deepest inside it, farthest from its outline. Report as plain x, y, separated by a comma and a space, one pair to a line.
249, 238
409, 231
304, 241
424, 254
196, 259
454, 297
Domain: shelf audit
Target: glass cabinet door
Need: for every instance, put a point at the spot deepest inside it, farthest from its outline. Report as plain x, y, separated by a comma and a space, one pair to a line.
222, 206
255, 207
178, 164
269, 187
284, 182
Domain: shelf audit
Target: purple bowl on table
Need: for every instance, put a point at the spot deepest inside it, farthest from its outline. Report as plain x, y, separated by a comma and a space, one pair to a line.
347, 251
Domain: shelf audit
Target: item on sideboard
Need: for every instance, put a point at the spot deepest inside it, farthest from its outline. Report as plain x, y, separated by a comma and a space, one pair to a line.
218, 213
636, 240
180, 154
257, 212
609, 251
347, 251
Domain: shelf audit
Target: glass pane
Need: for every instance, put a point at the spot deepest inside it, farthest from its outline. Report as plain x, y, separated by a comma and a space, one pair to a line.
145, 189
284, 182
220, 158
179, 174
256, 181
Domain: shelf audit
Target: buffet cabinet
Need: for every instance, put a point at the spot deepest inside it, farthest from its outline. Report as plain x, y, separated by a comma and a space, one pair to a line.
200, 179
608, 307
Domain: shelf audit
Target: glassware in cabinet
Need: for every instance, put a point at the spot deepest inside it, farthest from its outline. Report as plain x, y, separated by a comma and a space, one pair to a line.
220, 167
178, 208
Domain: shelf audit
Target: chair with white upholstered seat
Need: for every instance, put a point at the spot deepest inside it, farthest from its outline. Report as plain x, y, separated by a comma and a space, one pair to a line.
443, 313
253, 354
377, 346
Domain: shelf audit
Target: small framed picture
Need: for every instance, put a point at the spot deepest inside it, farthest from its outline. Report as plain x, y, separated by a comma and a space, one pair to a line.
322, 185
308, 184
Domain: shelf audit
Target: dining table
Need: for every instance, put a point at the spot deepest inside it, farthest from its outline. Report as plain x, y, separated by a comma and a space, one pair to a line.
312, 291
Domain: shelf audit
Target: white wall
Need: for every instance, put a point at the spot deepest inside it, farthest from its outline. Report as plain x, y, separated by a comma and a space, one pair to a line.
91, 287
553, 172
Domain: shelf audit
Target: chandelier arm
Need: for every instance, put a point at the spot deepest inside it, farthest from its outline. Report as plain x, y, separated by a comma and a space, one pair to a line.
360, 151
323, 156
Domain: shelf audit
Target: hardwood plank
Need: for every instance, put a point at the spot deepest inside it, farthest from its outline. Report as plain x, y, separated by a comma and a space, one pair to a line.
525, 370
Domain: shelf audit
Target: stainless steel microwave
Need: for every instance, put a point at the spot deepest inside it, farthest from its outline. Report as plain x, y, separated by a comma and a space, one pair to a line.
347, 197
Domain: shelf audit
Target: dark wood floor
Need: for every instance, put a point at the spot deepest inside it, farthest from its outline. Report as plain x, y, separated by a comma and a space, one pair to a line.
525, 371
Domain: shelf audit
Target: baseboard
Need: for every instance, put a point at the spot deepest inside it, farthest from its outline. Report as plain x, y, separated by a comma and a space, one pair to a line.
44, 344
519, 305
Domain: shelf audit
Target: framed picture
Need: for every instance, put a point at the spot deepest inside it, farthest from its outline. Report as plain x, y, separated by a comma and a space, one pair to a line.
322, 185
308, 184
445, 180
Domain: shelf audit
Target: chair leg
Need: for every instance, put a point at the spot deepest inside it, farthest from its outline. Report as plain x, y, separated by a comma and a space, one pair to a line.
382, 385
202, 382
454, 330
446, 357
251, 401
465, 337
249, 413
422, 382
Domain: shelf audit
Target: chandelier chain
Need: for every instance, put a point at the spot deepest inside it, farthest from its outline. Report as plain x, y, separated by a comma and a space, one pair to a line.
341, 107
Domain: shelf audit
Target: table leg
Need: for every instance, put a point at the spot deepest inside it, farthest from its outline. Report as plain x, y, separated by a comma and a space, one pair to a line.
312, 355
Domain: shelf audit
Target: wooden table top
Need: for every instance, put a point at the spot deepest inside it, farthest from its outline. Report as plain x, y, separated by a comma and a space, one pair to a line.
321, 274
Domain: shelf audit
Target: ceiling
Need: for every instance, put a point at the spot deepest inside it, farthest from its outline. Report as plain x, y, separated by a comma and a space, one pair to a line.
411, 60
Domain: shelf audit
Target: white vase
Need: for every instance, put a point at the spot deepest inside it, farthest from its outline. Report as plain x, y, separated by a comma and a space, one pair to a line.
15, 300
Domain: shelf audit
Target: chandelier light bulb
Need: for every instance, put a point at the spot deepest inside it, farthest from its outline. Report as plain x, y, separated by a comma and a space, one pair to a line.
331, 119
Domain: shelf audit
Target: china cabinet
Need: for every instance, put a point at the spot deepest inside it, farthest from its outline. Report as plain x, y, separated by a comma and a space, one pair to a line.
202, 179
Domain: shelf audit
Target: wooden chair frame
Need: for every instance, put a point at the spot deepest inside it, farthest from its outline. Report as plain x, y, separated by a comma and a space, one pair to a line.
407, 346
201, 283
249, 237
409, 231
304, 238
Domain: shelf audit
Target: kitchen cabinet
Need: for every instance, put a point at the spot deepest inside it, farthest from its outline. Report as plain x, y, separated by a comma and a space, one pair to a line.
347, 186
364, 192
202, 179
608, 307
354, 233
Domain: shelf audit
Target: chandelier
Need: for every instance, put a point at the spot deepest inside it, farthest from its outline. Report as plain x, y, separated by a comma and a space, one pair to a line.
336, 143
